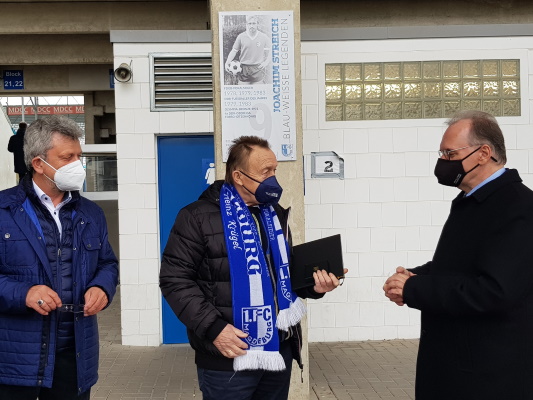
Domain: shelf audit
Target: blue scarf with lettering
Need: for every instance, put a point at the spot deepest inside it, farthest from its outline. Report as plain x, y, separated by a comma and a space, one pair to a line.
254, 301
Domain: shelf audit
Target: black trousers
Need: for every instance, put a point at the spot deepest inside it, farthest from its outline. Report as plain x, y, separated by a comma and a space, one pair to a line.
64, 385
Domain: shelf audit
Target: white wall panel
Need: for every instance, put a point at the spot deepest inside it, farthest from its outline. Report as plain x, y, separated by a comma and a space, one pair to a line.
380, 140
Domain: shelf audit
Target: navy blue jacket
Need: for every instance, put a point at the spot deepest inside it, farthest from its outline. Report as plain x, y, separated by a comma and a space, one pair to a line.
27, 339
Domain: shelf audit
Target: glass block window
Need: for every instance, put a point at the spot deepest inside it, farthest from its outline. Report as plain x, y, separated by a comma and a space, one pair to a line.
421, 89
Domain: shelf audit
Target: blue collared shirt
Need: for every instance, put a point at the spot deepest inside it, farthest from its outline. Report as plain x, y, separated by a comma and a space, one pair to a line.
495, 175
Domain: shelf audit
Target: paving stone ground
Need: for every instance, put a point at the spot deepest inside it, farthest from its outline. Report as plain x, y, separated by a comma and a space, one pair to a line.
370, 370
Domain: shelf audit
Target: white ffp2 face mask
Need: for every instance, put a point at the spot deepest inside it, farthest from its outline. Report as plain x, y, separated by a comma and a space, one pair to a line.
68, 177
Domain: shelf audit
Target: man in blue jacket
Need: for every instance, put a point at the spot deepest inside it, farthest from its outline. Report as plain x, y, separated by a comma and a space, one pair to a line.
57, 271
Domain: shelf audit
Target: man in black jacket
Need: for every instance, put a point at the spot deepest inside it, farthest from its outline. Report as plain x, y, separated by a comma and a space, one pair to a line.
200, 284
476, 295
16, 146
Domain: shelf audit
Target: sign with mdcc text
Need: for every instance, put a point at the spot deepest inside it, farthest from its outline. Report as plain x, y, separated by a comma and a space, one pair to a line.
46, 110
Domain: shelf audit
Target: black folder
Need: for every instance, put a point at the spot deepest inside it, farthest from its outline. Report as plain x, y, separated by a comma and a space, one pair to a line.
325, 253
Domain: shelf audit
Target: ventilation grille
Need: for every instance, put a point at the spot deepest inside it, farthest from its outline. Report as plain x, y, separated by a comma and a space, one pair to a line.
182, 83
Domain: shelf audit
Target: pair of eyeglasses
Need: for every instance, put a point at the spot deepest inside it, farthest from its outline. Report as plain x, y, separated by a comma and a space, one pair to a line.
72, 308
448, 153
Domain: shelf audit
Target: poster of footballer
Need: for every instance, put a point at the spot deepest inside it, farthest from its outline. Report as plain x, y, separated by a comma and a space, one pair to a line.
258, 79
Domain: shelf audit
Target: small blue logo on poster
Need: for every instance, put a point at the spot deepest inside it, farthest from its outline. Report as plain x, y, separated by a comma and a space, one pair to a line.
286, 149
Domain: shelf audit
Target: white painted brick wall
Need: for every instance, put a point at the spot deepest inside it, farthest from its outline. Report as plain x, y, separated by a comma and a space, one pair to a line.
382, 239
400, 206
380, 140
389, 208
372, 313
382, 190
510, 135
393, 164
358, 239
418, 164
518, 159
129, 272
311, 144
418, 213
404, 139
408, 238
393, 259
357, 190
394, 214
331, 140
355, 141
427, 190
137, 171
370, 264
368, 165
429, 139
332, 191
369, 215
406, 189
345, 215
351, 261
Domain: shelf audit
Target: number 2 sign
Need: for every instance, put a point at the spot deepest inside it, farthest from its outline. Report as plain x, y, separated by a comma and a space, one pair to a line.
327, 164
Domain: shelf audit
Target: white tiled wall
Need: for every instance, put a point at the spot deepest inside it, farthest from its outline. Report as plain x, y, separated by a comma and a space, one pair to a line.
137, 128
389, 208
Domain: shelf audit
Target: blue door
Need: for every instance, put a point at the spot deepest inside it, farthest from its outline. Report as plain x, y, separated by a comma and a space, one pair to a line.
185, 169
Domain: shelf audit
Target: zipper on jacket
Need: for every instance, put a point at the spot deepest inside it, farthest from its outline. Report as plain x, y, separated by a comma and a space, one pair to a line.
300, 355
287, 225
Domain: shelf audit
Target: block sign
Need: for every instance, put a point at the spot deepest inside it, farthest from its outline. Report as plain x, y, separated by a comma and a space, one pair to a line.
13, 79
327, 164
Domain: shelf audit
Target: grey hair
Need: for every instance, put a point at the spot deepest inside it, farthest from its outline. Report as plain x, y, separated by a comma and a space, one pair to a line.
38, 137
484, 130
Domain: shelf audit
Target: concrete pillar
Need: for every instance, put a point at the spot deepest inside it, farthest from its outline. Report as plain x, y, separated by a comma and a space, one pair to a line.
289, 173
91, 110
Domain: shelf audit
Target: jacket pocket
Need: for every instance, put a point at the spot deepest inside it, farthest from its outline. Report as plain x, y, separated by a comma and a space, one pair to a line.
92, 243
91, 250
15, 249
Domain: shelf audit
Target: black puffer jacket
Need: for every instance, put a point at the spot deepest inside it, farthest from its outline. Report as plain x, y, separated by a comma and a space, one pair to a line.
195, 278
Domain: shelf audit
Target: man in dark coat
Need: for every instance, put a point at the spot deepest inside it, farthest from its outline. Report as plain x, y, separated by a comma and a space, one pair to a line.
476, 294
197, 279
16, 146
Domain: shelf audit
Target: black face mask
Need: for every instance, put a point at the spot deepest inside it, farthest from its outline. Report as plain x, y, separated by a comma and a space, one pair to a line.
452, 172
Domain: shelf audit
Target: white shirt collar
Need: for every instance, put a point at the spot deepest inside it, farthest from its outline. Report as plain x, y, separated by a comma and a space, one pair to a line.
45, 199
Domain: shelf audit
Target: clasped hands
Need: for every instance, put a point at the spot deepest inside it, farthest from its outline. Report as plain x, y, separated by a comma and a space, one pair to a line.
393, 287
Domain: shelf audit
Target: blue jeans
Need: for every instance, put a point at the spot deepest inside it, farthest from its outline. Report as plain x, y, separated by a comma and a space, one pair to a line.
247, 385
